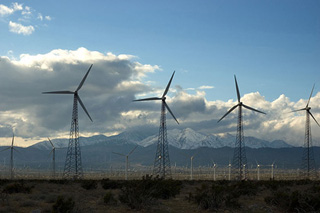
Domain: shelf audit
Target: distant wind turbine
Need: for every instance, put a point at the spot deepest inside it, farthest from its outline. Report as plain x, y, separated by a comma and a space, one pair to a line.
73, 164
53, 151
258, 170
162, 161
308, 162
127, 160
239, 157
11, 156
214, 171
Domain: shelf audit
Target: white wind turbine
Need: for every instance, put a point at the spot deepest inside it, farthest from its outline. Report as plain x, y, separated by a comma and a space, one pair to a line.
53, 151
258, 170
214, 171
11, 157
127, 160
229, 168
191, 166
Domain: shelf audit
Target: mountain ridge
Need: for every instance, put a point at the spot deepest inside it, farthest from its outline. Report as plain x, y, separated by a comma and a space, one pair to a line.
183, 139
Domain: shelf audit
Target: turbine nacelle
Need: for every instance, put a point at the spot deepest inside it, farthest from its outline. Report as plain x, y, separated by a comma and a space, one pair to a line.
240, 104
163, 98
75, 93
307, 108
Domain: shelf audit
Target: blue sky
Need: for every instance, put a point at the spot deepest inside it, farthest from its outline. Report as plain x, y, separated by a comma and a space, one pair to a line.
272, 46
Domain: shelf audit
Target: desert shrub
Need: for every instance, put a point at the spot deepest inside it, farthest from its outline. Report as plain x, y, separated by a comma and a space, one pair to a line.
139, 194
215, 197
63, 206
89, 184
16, 188
161, 188
295, 201
209, 198
59, 181
110, 184
136, 195
244, 188
28, 203
109, 198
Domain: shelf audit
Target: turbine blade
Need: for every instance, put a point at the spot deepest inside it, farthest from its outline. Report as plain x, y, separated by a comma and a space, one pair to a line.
58, 92
51, 143
118, 154
50, 152
238, 93
313, 118
149, 99
132, 150
168, 86
230, 110
12, 140
252, 109
84, 78
299, 110
310, 96
6, 149
83, 107
165, 104
16, 150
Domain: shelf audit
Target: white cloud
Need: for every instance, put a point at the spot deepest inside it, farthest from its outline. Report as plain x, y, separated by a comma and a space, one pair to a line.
17, 6
40, 17
20, 29
206, 87
26, 16
26, 11
116, 80
5, 10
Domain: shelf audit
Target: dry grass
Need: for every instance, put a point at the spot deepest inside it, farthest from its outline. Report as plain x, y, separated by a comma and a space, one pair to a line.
44, 194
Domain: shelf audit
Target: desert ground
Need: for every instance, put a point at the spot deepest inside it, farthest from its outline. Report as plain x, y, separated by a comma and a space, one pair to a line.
151, 194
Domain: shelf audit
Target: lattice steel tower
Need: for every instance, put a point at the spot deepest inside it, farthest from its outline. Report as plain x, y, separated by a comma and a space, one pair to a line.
308, 168
73, 164
162, 166
239, 166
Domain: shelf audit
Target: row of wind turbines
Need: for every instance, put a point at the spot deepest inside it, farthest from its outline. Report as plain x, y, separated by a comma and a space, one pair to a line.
162, 167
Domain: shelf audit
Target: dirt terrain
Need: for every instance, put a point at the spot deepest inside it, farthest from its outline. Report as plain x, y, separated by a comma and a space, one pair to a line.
158, 195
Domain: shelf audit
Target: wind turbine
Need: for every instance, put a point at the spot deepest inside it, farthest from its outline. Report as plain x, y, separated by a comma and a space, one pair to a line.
73, 164
53, 151
162, 161
214, 171
308, 162
258, 170
127, 160
191, 166
11, 156
229, 171
272, 170
239, 157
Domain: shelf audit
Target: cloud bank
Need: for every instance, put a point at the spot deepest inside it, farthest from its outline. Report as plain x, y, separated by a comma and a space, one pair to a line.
116, 80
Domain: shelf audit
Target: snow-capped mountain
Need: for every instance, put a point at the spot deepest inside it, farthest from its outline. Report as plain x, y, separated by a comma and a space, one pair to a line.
62, 143
190, 139
182, 139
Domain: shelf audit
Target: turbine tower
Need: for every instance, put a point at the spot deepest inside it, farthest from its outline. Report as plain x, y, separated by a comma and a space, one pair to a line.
11, 156
308, 162
73, 164
162, 166
239, 157
53, 151
127, 160
258, 170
